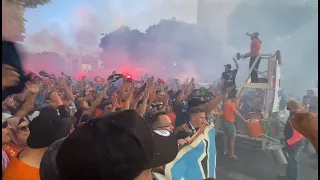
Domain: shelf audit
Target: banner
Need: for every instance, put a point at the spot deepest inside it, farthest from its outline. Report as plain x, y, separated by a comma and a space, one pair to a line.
196, 161
277, 93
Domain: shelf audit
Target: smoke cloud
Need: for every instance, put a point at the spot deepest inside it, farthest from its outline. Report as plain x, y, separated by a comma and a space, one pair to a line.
85, 24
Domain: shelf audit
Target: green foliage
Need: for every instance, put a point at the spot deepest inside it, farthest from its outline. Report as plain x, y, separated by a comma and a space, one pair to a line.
29, 3
13, 17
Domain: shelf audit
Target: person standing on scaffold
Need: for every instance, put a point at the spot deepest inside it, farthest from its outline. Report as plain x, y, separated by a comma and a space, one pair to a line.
254, 52
228, 78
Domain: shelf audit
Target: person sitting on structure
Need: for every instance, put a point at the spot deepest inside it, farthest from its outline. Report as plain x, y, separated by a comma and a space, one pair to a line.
254, 52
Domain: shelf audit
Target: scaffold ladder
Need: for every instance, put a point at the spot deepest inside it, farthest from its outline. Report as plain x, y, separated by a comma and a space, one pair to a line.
268, 87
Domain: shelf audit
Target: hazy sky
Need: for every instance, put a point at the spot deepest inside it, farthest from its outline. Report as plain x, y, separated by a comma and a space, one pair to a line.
65, 24
90, 18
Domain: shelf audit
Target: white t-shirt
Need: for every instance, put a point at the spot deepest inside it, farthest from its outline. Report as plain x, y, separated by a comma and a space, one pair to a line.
5, 116
33, 115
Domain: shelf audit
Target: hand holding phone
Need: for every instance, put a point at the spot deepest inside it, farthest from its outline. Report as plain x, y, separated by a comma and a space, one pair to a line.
142, 88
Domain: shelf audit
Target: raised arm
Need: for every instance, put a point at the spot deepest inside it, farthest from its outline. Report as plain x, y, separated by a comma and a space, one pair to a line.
95, 103
129, 99
236, 63
58, 103
215, 102
144, 104
29, 104
68, 91
184, 92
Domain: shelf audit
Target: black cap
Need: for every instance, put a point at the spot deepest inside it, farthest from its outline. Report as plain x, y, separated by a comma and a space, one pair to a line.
255, 34
48, 167
195, 101
47, 128
228, 66
117, 146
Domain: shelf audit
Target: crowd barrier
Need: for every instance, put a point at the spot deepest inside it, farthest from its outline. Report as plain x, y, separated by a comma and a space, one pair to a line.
195, 161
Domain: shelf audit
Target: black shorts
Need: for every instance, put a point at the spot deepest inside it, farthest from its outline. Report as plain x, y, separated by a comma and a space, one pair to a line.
233, 92
229, 129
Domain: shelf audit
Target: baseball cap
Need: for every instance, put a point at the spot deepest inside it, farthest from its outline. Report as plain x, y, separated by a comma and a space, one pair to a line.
194, 102
256, 34
46, 128
117, 146
228, 66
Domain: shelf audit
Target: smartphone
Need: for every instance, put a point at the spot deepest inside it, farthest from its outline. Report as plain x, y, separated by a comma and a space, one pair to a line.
142, 88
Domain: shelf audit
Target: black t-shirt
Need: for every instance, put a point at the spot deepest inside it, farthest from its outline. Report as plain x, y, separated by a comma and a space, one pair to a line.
229, 78
185, 134
181, 112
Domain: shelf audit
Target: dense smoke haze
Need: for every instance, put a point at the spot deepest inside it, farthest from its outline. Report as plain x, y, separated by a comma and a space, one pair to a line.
85, 23
185, 49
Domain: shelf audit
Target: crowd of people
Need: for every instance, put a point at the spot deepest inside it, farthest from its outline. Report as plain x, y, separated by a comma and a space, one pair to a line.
58, 128
56, 112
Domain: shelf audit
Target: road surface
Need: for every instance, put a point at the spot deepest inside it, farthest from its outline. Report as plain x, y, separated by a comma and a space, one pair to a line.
255, 164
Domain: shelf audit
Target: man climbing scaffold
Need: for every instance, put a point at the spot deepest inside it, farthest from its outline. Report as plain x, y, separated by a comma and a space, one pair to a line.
270, 83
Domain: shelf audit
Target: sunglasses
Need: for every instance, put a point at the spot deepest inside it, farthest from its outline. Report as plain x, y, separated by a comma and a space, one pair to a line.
23, 128
4, 124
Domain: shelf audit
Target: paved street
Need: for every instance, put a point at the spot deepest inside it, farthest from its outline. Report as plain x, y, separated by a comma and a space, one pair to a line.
255, 164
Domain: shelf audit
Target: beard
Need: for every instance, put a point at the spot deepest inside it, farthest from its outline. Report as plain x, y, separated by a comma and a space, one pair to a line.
11, 109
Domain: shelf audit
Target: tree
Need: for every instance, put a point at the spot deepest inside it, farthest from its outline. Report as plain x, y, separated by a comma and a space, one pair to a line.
30, 3
13, 17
